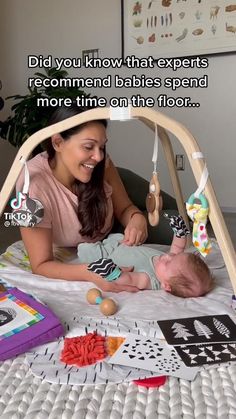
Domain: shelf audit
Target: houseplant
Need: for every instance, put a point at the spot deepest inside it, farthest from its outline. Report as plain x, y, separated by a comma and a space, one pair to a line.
27, 117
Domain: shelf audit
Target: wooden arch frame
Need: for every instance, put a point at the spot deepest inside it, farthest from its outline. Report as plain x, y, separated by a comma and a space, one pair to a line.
150, 117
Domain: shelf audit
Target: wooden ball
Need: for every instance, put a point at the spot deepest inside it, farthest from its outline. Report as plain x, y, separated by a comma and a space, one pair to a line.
92, 294
108, 307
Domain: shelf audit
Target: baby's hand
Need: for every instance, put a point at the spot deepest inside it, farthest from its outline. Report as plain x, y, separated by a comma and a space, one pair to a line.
140, 280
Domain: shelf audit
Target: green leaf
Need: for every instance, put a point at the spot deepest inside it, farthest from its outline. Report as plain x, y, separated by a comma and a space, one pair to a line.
26, 117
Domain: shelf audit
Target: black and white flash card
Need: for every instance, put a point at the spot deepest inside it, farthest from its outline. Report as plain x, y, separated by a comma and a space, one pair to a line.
153, 355
201, 329
197, 355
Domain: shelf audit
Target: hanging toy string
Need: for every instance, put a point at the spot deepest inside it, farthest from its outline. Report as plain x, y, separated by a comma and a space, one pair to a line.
27, 177
155, 151
16, 203
153, 197
204, 177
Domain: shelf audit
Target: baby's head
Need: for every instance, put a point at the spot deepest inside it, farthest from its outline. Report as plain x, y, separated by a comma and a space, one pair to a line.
183, 275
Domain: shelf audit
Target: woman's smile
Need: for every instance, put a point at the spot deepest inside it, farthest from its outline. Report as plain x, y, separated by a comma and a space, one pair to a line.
90, 167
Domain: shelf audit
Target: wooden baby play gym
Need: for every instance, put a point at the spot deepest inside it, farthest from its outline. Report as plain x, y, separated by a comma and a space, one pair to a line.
152, 119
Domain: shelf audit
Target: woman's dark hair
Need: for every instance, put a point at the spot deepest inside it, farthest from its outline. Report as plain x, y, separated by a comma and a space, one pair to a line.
92, 203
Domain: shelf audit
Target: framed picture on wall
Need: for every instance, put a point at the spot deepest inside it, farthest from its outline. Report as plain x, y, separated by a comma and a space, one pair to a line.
177, 28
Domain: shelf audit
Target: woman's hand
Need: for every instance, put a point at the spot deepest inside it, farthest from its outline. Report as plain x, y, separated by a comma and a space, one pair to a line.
123, 283
114, 286
136, 230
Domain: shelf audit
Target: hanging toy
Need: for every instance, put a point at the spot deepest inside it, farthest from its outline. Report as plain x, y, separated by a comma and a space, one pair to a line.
198, 214
153, 197
153, 200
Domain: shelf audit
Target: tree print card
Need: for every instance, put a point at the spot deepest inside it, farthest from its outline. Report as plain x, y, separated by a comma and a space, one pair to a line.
199, 329
153, 355
197, 355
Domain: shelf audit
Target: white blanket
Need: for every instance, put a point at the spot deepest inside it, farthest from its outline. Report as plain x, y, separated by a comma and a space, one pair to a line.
137, 313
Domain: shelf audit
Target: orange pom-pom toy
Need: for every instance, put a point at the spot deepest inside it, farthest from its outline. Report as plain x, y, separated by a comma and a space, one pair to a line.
108, 307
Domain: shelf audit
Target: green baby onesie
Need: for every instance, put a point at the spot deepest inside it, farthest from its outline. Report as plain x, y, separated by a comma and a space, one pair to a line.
138, 256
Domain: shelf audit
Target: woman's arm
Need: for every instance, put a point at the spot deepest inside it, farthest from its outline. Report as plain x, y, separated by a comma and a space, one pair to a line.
125, 211
38, 244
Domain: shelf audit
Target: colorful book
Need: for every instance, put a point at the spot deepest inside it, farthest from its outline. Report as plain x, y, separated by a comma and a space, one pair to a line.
24, 323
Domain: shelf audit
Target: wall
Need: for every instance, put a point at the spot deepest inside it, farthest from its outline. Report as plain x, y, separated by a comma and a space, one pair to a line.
63, 28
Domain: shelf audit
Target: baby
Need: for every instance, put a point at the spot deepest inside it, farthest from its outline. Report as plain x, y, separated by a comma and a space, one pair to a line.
182, 274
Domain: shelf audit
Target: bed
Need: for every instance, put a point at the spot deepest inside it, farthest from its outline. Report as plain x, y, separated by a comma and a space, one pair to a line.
27, 392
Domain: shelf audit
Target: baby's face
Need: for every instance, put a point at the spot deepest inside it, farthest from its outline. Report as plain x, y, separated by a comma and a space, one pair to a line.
170, 265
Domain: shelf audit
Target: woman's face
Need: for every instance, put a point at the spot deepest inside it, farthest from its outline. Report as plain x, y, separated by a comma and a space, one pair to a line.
77, 156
